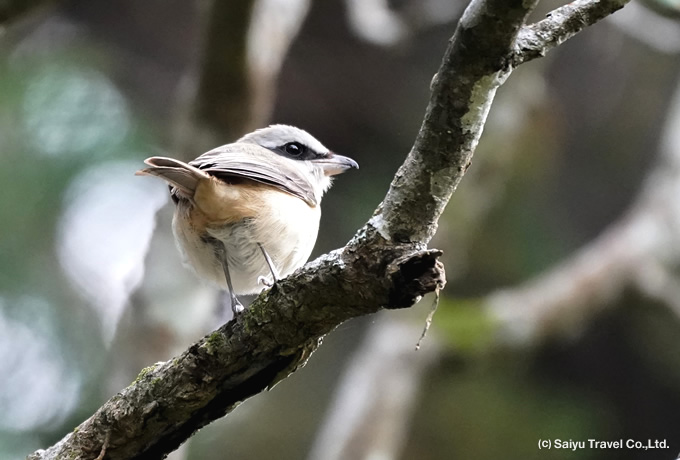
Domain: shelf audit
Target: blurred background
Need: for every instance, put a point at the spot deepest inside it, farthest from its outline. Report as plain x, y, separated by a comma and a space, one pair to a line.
560, 319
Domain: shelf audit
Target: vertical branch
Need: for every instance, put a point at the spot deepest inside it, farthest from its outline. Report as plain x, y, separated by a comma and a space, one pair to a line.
233, 90
218, 101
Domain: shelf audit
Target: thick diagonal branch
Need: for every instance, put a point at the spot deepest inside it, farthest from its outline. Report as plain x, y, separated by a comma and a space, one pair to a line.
170, 401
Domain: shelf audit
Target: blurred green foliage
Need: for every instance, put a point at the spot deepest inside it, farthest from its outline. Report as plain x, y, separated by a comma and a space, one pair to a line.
59, 115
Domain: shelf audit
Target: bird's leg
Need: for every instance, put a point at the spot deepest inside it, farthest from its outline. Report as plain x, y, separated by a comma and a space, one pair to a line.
272, 268
236, 305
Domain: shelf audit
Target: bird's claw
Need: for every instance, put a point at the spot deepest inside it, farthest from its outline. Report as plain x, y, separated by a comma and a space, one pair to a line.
264, 281
236, 306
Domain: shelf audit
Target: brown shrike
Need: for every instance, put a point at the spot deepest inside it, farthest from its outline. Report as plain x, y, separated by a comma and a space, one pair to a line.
247, 213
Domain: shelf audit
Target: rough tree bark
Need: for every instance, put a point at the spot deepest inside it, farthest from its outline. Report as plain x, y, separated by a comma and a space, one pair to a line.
385, 265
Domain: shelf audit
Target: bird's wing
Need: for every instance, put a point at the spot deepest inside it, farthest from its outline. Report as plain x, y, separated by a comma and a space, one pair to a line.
258, 164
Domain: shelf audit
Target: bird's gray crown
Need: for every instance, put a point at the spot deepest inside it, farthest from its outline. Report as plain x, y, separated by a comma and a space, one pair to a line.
276, 137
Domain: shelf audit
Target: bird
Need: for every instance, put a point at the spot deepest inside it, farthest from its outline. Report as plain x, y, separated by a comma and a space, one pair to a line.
247, 213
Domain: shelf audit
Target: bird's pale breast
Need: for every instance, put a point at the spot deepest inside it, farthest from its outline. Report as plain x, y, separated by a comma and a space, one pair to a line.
241, 217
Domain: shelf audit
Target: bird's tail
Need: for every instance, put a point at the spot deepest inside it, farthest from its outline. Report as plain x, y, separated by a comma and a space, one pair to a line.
182, 176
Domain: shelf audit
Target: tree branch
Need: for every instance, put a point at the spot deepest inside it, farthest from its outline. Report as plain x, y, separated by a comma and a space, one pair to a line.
561, 24
170, 401
386, 265
376, 396
475, 64
217, 101
637, 251
244, 45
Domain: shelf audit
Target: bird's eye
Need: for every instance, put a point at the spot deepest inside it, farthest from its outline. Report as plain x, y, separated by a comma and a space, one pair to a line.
294, 148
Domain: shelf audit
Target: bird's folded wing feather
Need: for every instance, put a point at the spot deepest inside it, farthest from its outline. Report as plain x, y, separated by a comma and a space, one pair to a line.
258, 164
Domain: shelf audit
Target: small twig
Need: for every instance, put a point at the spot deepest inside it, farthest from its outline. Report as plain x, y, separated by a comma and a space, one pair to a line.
428, 320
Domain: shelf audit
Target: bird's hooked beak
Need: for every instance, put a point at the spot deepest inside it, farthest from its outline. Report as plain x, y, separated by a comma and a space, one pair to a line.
333, 164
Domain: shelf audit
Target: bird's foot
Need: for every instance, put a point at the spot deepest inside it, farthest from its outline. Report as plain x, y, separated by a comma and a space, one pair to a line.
236, 306
265, 281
